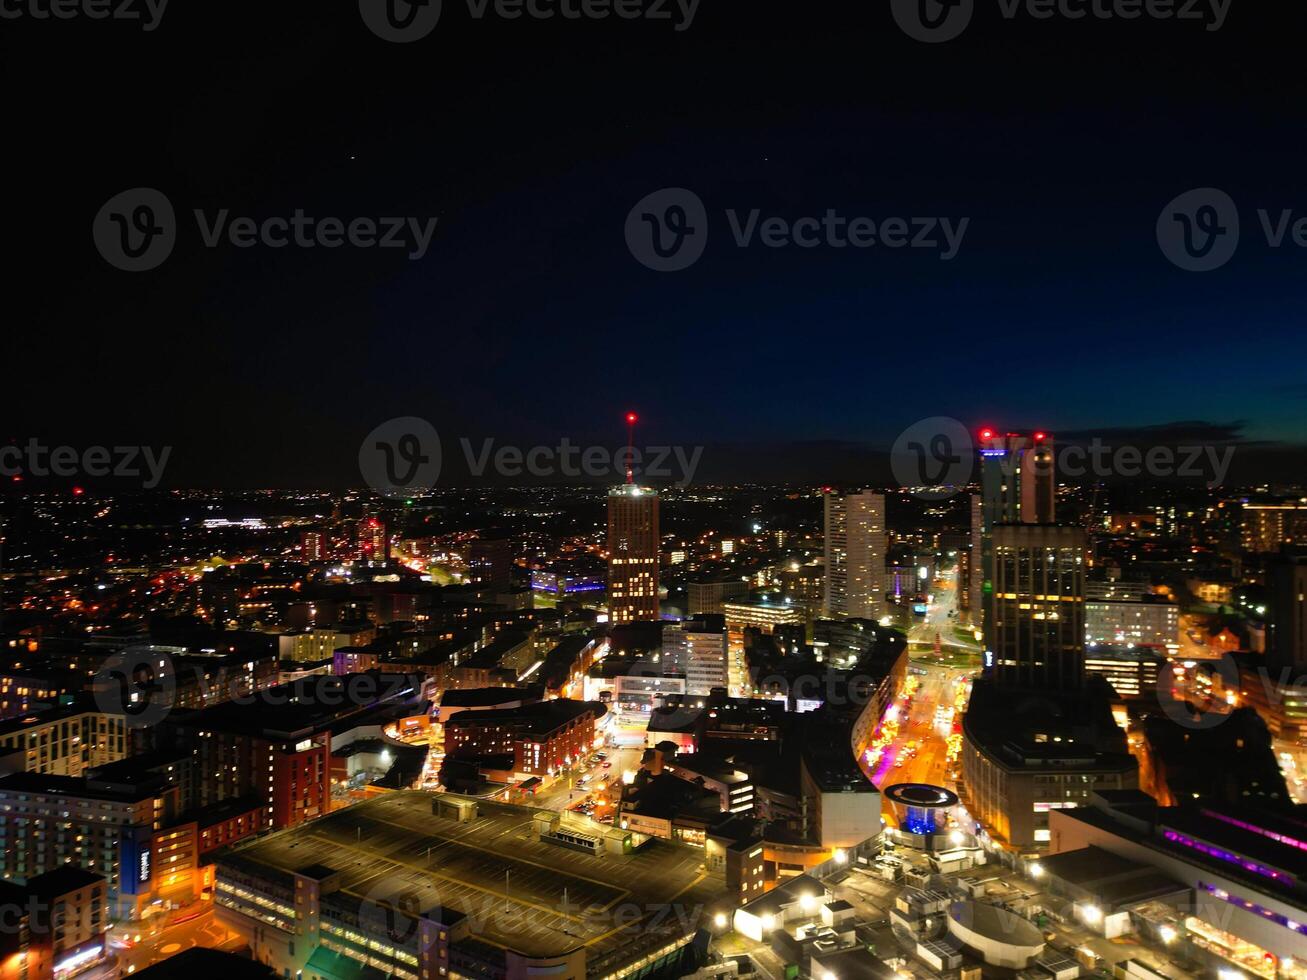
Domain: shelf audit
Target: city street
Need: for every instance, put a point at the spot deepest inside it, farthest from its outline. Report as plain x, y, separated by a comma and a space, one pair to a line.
942, 621
192, 929
918, 739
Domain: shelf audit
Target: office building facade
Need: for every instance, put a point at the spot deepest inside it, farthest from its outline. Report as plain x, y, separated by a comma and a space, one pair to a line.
633, 541
855, 556
1039, 606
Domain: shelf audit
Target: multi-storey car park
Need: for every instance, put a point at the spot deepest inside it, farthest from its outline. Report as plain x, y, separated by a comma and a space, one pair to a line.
424, 886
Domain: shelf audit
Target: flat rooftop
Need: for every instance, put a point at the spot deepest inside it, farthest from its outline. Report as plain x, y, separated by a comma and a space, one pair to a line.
531, 896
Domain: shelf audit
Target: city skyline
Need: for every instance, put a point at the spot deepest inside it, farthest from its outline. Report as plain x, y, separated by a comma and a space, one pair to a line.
653, 490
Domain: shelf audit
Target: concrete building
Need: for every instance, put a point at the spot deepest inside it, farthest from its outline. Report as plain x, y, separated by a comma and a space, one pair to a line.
50, 822
633, 544
321, 902
1288, 584
697, 650
490, 564
1133, 672
1267, 526
1017, 486
65, 741
763, 616
1037, 632
1247, 909
1153, 622
54, 926
711, 597
1014, 787
855, 556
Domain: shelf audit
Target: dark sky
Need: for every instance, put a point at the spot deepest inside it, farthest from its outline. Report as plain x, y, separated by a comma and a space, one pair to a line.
529, 320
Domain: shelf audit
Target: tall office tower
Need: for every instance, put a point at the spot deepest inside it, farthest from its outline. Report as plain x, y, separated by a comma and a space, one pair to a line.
855, 556
1039, 606
312, 546
373, 544
1017, 476
632, 554
1288, 581
490, 563
975, 572
1017, 486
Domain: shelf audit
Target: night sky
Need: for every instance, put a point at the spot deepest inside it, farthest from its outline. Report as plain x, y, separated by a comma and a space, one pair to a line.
529, 320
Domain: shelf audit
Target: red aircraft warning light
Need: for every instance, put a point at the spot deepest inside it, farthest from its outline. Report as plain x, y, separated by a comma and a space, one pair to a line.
987, 433
631, 419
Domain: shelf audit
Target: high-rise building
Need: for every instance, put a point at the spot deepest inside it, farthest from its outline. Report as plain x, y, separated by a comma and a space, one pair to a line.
696, 648
1267, 526
312, 546
632, 554
1038, 628
855, 556
1017, 478
373, 544
1288, 581
971, 585
1017, 484
490, 563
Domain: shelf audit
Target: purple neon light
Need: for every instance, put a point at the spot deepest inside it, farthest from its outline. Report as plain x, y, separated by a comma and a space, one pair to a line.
1284, 839
1229, 857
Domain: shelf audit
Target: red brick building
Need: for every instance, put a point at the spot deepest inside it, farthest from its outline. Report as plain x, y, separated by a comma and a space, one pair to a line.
542, 737
277, 747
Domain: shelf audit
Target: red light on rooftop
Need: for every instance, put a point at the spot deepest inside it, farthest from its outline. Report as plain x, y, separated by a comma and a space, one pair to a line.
78, 491
1040, 436
987, 433
632, 418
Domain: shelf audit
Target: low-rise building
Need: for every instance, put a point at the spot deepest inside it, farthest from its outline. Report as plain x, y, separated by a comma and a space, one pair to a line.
1243, 865
1152, 622
543, 737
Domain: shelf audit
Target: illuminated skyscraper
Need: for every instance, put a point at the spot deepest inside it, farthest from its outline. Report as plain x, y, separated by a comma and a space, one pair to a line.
1038, 627
1017, 486
312, 546
373, 544
855, 556
632, 554
974, 584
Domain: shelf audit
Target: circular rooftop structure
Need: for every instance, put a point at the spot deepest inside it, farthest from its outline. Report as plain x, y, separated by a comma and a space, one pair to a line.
921, 796
1001, 937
